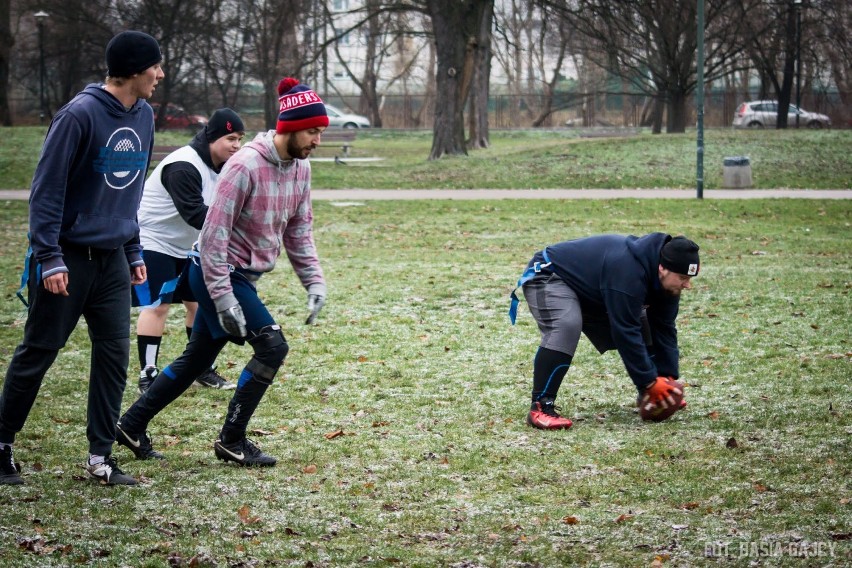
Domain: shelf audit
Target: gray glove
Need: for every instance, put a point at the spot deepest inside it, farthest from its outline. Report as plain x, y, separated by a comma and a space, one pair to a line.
316, 300
231, 316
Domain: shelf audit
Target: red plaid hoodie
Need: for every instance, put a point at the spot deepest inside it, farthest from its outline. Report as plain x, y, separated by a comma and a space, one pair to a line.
260, 204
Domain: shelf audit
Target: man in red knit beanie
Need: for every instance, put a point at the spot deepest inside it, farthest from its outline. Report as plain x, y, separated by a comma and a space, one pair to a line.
261, 203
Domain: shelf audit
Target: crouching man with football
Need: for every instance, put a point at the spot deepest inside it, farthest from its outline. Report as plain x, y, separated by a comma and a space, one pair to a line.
623, 292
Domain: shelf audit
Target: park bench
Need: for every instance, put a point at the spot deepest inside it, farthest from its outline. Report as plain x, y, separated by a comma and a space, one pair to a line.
339, 138
161, 152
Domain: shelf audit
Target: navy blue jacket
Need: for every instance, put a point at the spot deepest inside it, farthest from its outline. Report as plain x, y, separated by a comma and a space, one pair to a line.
88, 182
615, 277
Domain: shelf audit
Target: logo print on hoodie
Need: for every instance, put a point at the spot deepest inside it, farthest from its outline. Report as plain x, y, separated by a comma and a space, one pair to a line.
122, 160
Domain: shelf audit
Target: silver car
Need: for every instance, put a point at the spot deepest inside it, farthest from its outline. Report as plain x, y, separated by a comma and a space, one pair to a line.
340, 119
763, 114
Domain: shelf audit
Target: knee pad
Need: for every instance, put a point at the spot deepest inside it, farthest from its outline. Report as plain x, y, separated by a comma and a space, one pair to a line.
270, 349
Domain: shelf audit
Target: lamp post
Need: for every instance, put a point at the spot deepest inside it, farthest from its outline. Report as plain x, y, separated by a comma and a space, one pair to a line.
699, 103
798, 4
40, 17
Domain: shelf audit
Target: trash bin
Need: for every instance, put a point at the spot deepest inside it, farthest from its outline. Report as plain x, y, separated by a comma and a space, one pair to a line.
736, 173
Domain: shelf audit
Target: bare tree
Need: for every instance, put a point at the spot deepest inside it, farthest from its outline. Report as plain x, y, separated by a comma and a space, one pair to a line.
771, 33
223, 51
479, 79
375, 25
829, 42
276, 50
454, 23
6, 44
534, 44
652, 44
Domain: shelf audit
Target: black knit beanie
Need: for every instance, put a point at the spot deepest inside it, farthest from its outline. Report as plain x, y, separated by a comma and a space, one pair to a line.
131, 52
680, 255
223, 122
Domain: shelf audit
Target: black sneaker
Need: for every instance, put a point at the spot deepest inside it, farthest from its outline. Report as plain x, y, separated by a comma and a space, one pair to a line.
9, 470
146, 378
139, 444
243, 452
211, 379
108, 473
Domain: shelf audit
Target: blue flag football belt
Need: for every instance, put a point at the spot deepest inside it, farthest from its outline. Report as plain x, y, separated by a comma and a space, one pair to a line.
530, 273
165, 289
25, 276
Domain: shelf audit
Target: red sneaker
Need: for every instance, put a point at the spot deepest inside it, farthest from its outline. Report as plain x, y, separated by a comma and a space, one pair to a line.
545, 417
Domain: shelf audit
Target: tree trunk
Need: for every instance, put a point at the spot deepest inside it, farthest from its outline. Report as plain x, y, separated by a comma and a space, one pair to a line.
453, 22
789, 69
676, 112
478, 111
6, 43
657, 114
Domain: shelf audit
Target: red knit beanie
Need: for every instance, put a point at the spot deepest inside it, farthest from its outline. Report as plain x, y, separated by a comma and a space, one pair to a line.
299, 107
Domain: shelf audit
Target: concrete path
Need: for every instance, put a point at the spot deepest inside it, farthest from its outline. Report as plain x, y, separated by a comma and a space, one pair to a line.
469, 194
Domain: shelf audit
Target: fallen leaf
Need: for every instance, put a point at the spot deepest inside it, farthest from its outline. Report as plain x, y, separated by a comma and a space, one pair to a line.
760, 488
689, 506
380, 423
623, 517
244, 513
714, 415
333, 435
309, 469
362, 359
570, 520
259, 432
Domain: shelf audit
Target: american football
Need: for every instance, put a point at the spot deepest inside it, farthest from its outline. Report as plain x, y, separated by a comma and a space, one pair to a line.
659, 412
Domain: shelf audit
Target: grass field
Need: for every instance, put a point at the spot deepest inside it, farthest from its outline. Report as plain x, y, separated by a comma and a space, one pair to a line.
547, 159
398, 421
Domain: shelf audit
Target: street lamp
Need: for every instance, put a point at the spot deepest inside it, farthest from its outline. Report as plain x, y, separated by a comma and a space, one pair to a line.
40, 17
798, 4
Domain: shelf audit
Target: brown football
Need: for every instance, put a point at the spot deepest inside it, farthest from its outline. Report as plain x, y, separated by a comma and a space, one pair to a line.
656, 413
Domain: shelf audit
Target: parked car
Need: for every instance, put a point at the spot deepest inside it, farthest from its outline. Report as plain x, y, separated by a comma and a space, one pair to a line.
338, 118
762, 114
178, 119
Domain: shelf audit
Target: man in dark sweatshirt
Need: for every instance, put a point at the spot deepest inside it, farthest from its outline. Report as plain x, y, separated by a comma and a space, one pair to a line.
85, 247
174, 205
623, 292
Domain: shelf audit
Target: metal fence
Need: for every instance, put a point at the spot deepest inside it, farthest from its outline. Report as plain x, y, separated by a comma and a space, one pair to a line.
520, 111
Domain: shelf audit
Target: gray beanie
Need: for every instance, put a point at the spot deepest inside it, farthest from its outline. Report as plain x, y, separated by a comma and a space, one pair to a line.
131, 52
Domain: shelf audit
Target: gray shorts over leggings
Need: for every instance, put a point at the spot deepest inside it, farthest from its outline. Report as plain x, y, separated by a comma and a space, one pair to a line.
556, 310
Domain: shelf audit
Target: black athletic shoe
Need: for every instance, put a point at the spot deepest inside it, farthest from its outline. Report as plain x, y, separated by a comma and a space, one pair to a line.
243, 452
9, 470
108, 473
139, 444
146, 378
211, 379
